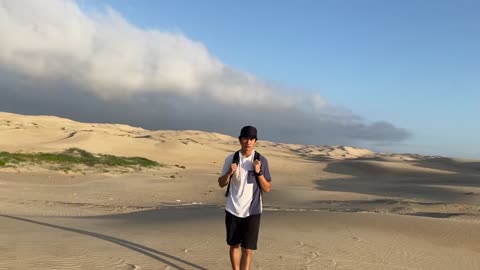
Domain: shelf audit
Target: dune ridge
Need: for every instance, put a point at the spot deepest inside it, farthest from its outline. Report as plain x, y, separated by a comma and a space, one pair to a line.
50, 133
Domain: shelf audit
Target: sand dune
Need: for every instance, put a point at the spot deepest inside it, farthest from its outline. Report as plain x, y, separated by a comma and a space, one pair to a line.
331, 207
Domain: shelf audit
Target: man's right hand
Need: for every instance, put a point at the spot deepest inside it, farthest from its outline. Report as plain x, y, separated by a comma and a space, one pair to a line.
233, 168
223, 180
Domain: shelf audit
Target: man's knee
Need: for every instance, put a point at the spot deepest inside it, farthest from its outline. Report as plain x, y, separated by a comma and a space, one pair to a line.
234, 246
247, 251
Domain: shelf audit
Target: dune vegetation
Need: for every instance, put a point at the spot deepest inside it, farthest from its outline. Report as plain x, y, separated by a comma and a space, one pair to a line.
73, 157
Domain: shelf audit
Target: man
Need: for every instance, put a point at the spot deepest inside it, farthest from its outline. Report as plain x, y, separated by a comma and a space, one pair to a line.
246, 179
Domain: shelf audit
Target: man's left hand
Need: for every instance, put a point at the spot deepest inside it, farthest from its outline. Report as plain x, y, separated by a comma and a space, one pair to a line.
257, 164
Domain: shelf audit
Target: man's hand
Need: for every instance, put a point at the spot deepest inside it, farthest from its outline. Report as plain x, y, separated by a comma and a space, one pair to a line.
224, 179
257, 165
233, 169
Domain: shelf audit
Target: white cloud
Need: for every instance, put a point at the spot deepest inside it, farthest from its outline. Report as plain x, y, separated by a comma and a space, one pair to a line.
112, 57
104, 55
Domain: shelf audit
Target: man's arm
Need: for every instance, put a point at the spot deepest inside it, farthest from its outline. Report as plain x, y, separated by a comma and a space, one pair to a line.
265, 184
224, 179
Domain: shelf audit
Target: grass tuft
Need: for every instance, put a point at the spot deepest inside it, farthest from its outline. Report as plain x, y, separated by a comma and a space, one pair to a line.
75, 156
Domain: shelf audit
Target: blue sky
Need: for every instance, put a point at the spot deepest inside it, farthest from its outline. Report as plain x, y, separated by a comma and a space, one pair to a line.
415, 64
412, 64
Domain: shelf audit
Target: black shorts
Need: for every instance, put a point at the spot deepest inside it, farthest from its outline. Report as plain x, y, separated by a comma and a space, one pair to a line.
243, 231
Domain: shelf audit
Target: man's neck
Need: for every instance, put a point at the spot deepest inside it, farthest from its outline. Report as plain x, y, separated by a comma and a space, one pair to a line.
246, 153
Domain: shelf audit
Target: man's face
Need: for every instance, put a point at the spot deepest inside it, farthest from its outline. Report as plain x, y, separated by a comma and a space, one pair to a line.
247, 143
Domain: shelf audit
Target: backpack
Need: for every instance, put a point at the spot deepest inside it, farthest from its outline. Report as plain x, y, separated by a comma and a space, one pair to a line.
236, 160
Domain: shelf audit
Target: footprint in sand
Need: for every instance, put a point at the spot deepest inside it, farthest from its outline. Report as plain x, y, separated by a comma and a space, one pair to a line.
357, 239
314, 260
132, 266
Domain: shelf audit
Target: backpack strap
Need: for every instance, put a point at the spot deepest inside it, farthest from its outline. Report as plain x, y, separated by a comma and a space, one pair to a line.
257, 156
236, 160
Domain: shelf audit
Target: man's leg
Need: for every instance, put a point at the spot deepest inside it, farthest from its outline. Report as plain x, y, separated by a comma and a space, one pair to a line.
235, 256
246, 259
249, 241
232, 224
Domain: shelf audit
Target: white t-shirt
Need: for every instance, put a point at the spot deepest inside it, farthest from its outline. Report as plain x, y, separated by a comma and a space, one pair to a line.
240, 196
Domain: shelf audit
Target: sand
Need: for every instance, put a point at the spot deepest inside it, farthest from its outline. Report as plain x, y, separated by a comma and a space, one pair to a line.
331, 207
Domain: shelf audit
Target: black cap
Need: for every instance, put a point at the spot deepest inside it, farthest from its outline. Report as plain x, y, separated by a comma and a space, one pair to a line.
248, 132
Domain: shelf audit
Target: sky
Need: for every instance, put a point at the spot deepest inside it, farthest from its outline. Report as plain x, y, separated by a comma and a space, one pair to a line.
391, 76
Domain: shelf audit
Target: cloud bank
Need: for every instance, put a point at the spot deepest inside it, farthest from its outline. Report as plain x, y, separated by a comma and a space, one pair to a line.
58, 59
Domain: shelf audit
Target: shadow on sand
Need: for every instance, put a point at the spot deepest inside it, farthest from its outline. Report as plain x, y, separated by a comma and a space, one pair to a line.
150, 252
368, 178
402, 186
